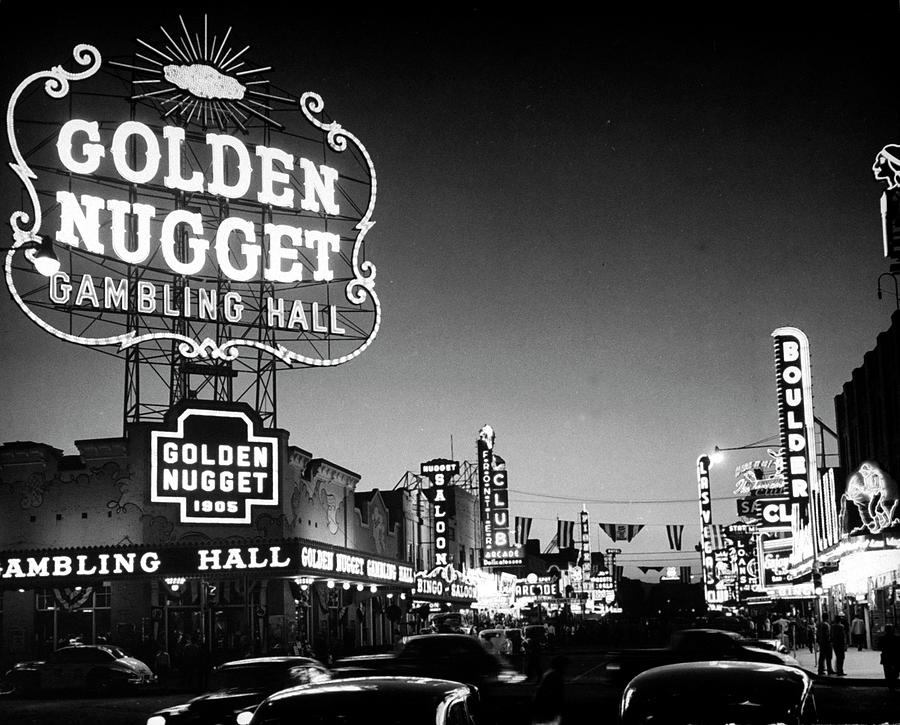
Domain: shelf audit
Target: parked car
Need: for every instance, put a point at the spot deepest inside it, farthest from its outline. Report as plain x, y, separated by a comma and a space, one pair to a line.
690, 645
719, 692
385, 700
239, 685
96, 669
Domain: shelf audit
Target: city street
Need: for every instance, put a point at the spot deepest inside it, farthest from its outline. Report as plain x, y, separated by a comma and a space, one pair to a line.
588, 698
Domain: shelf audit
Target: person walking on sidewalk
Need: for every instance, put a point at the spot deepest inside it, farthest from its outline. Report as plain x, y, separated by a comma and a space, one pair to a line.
838, 644
889, 644
858, 632
823, 639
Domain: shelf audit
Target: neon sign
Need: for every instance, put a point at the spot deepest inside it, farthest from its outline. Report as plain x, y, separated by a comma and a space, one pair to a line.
439, 471
795, 414
499, 549
202, 237
214, 466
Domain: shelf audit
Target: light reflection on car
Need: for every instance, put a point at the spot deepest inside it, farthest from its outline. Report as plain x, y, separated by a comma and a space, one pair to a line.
383, 700
715, 693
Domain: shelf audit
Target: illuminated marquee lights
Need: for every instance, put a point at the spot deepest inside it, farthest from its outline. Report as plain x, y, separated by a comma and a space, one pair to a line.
238, 249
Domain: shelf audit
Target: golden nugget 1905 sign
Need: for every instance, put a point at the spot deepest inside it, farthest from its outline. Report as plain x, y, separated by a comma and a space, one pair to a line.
204, 207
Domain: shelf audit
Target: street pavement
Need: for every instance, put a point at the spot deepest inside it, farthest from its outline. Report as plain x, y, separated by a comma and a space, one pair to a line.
858, 665
857, 699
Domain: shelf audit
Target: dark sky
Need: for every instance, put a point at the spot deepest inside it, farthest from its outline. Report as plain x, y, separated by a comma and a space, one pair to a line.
588, 225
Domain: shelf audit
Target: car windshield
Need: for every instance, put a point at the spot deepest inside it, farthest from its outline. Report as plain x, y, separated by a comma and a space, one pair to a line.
249, 677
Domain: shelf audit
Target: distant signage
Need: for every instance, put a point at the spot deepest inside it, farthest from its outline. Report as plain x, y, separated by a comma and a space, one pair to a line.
445, 584
215, 465
707, 554
870, 501
775, 513
537, 586
776, 567
289, 558
749, 507
585, 547
440, 471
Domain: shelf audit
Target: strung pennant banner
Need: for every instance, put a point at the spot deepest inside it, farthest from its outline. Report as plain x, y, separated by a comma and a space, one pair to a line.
621, 532
674, 532
565, 534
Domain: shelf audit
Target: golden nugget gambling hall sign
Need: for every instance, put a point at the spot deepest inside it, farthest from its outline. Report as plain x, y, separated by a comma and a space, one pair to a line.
222, 215
288, 558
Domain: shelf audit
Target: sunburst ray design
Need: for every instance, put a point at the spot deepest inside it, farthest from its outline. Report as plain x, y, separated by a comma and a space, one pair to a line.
202, 81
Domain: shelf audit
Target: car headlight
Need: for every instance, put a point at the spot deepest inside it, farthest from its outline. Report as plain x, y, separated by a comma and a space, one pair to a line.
156, 720
510, 677
244, 717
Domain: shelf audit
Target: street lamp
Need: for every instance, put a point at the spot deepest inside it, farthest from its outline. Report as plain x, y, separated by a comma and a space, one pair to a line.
40, 253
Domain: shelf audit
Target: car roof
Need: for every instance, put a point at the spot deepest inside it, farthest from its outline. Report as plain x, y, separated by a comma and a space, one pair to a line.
436, 635
708, 630
706, 675
350, 686
273, 660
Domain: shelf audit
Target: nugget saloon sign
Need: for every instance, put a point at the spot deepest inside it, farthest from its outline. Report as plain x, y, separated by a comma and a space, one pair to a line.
223, 216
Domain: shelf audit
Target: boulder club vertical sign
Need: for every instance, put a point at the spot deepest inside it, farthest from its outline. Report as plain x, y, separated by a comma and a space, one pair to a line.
215, 464
439, 471
795, 418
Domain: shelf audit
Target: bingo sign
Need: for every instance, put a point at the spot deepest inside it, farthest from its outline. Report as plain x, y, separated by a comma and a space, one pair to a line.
215, 466
226, 218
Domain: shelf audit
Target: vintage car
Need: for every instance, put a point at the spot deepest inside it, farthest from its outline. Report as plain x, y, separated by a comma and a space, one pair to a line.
712, 693
689, 645
385, 700
238, 685
95, 669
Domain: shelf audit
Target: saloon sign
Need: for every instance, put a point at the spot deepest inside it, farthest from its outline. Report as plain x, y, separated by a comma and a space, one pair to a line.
223, 217
214, 465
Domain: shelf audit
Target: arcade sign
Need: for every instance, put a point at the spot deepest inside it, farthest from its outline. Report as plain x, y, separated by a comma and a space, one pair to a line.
205, 221
215, 465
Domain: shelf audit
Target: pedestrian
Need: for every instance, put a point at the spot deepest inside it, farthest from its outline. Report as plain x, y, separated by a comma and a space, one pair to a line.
190, 660
858, 632
838, 644
533, 657
162, 665
548, 698
889, 644
823, 639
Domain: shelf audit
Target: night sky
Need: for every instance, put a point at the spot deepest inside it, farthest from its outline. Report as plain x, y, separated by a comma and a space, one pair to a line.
587, 227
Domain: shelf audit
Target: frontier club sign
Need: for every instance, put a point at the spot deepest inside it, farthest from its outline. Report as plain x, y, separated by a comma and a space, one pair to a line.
493, 490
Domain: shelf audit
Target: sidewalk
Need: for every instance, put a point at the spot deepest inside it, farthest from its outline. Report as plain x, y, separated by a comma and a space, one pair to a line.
865, 665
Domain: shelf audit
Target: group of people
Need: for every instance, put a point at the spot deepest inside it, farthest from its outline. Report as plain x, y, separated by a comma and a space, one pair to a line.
832, 637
